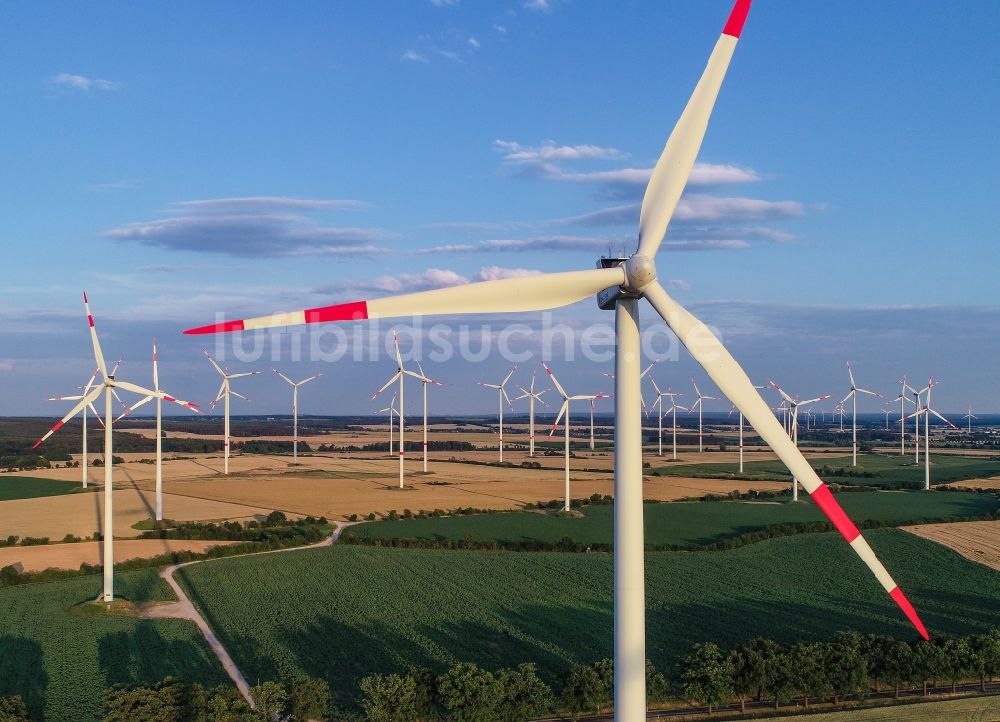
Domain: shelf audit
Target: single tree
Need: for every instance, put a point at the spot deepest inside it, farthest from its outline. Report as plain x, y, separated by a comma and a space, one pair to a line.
468, 693
308, 698
808, 661
985, 656
928, 663
270, 698
389, 698
704, 676
752, 664
523, 695
582, 691
846, 667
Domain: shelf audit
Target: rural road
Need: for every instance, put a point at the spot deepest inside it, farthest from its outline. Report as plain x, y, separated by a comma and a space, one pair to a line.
185, 609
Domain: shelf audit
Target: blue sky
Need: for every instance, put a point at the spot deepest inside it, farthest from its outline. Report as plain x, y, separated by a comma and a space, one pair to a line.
182, 160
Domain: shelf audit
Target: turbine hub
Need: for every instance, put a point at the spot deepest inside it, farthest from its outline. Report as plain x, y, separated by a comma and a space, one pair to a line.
640, 271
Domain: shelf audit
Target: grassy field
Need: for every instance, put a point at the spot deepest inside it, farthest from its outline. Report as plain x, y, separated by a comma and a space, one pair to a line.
976, 709
683, 523
345, 611
59, 659
888, 469
29, 487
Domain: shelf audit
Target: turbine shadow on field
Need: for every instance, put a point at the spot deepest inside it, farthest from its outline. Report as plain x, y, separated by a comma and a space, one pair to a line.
123, 659
22, 671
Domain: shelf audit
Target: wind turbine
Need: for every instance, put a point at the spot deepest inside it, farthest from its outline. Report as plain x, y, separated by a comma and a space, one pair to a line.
160, 395
660, 411
619, 284
107, 386
697, 405
903, 399
502, 394
887, 412
400, 375
970, 417
853, 395
564, 409
391, 409
793, 406
916, 419
926, 412
295, 410
225, 391
741, 430
77, 397
530, 394
424, 381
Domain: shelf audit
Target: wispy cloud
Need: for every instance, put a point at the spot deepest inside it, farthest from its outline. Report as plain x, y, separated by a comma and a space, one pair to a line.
244, 227
412, 56
694, 208
83, 83
539, 6
587, 244
110, 186
426, 280
443, 3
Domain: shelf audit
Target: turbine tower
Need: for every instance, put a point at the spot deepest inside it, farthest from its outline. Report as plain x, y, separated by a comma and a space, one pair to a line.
853, 395
926, 411
295, 410
160, 395
391, 409
698, 405
903, 399
564, 409
107, 386
619, 285
502, 394
424, 382
400, 375
225, 391
970, 417
660, 411
530, 394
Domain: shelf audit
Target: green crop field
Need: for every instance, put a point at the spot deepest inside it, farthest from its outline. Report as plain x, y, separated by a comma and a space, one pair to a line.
889, 470
27, 487
683, 523
60, 660
342, 612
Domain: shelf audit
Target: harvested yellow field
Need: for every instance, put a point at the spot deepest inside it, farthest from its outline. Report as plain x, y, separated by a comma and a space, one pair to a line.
82, 514
71, 556
975, 540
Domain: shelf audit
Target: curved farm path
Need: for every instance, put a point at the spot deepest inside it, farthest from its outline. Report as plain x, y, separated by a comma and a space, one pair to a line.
185, 609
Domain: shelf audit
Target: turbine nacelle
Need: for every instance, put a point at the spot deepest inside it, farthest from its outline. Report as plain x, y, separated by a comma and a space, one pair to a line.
640, 271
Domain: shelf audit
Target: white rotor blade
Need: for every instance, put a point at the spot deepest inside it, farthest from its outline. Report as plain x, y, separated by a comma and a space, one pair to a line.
727, 374
73, 412
489, 386
555, 381
156, 372
98, 355
133, 407
126, 386
646, 370
387, 384
284, 377
80, 396
813, 401
562, 410
504, 392
850, 372
870, 393
239, 395
507, 295
781, 391
672, 170
507, 377
242, 374
848, 397
943, 418
212, 361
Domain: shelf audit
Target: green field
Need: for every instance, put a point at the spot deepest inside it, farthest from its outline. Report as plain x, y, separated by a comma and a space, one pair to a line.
889, 470
60, 660
342, 612
28, 487
975, 709
683, 523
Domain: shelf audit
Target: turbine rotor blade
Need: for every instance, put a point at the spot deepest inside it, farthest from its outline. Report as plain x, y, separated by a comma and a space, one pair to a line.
388, 383
670, 176
562, 410
133, 407
212, 361
86, 401
507, 295
555, 381
98, 354
730, 377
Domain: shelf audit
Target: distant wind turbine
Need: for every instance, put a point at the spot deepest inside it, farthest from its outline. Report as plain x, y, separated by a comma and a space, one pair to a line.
970, 417
295, 410
532, 396
925, 410
793, 405
225, 391
502, 394
391, 409
85, 457
698, 404
903, 399
853, 395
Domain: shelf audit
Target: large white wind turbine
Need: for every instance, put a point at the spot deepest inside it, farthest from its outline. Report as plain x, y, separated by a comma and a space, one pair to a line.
698, 405
400, 375
925, 410
853, 395
84, 456
564, 409
502, 395
619, 284
742, 424
793, 429
160, 395
107, 386
225, 391
295, 410
425, 381
532, 396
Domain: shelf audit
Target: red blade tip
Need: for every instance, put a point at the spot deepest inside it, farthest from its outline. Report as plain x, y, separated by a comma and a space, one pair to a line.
911, 613
224, 327
734, 26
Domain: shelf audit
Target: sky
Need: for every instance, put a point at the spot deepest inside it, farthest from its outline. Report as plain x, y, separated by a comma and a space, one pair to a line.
189, 162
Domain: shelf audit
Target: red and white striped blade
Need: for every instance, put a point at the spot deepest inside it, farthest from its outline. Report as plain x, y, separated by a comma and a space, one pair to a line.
555, 381
133, 407
71, 398
284, 377
180, 402
135, 389
156, 372
730, 377
212, 361
85, 401
672, 170
944, 419
238, 395
562, 410
98, 355
507, 295
387, 384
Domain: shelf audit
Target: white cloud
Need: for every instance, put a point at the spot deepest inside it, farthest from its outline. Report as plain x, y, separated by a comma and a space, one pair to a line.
472, 43
514, 152
82, 82
412, 56
502, 29
541, 6
694, 208
266, 203
495, 273
122, 185
443, 3
585, 244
